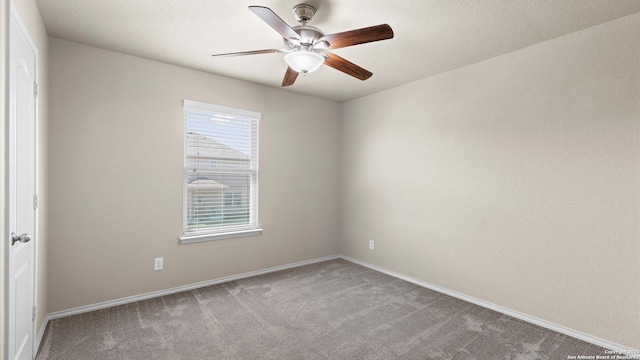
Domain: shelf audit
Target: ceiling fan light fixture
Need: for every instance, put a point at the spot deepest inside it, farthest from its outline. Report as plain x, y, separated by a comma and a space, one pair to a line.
304, 61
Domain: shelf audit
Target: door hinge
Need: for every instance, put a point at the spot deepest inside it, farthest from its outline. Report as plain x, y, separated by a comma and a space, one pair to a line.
35, 201
35, 89
33, 313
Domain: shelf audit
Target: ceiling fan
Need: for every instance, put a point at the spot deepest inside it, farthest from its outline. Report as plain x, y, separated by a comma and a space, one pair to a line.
307, 45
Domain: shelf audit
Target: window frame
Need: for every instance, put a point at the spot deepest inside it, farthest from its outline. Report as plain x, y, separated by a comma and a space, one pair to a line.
223, 232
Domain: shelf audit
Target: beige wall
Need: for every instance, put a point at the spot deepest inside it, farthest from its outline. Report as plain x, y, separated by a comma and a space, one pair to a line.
30, 16
116, 145
514, 180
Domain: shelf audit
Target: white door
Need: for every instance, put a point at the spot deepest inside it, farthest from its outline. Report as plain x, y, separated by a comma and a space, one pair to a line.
22, 190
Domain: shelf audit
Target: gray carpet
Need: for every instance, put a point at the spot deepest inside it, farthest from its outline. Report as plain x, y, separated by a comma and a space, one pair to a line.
328, 310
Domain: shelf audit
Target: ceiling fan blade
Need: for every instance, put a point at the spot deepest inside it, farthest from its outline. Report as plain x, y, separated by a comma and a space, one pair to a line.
347, 67
275, 22
358, 36
289, 77
254, 52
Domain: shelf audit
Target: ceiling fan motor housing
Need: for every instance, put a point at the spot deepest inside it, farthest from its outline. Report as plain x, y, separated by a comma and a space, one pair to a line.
308, 35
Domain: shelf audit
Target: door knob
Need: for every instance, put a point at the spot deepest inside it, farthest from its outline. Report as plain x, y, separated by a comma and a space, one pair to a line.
22, 238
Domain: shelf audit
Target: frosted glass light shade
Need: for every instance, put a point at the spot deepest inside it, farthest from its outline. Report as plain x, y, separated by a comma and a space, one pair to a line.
304, 61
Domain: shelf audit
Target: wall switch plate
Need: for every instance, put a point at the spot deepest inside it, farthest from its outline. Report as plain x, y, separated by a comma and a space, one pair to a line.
158, 264
370, 244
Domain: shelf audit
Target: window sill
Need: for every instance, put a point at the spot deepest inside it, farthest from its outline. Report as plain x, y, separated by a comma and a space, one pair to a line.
188, 239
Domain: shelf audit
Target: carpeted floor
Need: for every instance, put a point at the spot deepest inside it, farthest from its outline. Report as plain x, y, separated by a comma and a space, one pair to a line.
329, 310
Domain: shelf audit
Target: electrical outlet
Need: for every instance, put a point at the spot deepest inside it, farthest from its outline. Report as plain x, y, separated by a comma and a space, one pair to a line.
370, 244
158, 264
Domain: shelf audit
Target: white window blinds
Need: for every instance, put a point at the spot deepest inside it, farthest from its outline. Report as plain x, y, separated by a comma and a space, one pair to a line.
220, 186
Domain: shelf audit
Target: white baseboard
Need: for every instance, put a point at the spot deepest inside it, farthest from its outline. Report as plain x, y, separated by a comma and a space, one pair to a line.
132, 299
36, 344
516, 314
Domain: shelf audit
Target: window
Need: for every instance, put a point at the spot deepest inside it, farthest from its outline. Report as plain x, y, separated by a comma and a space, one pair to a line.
233, 199
220, 184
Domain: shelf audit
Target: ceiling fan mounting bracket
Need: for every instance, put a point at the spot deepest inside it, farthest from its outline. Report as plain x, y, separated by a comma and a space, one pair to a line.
303, 12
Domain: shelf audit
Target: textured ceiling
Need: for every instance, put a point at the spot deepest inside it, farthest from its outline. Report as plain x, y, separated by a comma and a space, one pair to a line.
431, 36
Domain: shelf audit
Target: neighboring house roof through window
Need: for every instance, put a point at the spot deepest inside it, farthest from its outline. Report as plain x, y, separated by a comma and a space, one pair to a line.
207, 148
